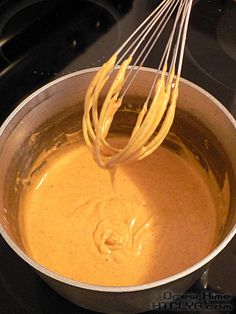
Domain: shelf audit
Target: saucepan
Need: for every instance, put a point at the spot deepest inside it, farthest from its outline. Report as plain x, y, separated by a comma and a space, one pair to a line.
54, 112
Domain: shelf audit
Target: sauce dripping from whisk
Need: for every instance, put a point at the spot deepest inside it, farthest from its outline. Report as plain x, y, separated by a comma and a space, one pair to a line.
144, 138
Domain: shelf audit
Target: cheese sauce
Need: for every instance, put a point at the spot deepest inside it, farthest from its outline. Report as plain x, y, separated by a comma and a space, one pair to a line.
157, 217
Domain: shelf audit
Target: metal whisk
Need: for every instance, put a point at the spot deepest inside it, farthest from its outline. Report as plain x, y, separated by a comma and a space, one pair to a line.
159, 108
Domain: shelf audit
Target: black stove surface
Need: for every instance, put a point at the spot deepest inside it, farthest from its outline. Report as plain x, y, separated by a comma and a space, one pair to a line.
43, 40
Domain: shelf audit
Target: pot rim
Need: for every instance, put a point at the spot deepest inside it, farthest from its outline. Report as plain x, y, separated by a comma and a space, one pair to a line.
120, 289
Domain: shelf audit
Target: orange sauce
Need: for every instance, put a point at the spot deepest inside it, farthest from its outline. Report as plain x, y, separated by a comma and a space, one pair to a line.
156, 219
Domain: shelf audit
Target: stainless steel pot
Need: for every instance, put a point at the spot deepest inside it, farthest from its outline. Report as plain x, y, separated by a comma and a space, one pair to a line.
42, 120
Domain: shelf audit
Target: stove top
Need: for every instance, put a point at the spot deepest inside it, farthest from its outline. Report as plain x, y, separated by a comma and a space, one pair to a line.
43, 40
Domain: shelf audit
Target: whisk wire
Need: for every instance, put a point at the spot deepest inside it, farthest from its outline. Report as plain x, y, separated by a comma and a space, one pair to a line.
162, 4
160, 26
166, 54
164, 88
187, 13
145, 53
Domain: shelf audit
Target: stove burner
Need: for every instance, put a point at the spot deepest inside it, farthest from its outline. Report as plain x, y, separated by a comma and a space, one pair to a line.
41, 40
211, 40
59, 30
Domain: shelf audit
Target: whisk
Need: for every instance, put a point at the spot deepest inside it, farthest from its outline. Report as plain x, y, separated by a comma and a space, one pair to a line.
159, 108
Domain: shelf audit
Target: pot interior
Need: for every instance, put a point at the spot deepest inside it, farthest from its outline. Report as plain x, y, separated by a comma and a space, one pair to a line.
53, 118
